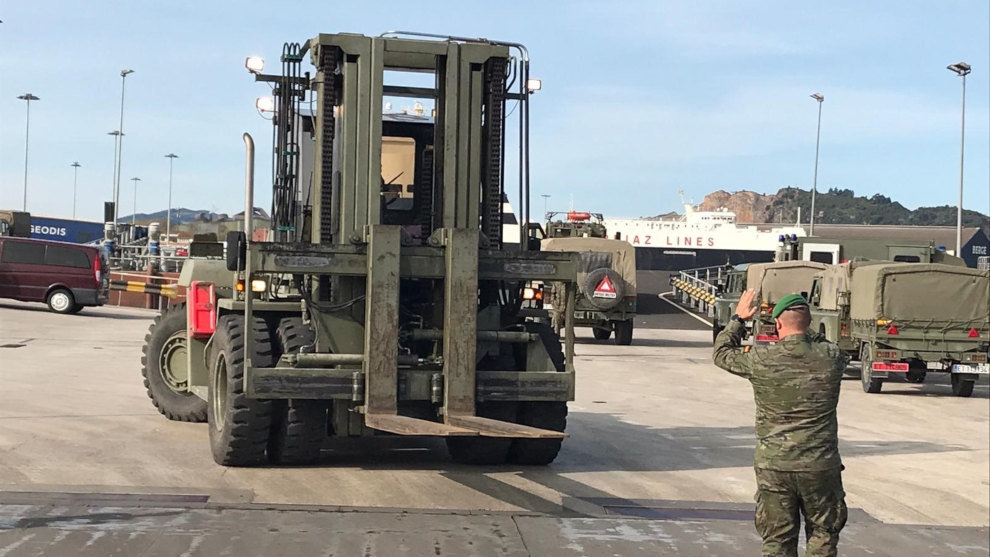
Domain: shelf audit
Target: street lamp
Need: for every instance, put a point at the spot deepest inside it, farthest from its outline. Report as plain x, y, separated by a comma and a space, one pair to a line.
120, 144
962, 69
814, 186
168, 220
113, 195
134, 213
28, 97
75, 180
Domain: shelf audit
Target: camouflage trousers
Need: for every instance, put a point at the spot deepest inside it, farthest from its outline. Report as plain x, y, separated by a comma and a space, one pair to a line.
781, 499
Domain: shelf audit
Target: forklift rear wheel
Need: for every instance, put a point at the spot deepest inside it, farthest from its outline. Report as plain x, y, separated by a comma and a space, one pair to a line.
239, 426
544, 415
165, 367
298, 426
484, 450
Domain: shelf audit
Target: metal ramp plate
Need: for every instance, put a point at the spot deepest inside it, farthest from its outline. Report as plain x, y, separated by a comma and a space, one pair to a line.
488, 427
404, 425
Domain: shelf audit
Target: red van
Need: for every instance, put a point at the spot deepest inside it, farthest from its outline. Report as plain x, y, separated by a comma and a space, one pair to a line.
66, 276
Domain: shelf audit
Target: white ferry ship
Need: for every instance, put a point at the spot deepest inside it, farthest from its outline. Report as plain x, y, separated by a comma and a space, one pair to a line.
698, 239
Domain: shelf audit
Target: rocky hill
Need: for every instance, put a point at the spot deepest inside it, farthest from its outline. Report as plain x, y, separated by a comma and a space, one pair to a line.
835, 206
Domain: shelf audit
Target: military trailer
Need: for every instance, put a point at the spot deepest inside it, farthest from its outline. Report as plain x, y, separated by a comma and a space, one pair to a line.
771, 281
908, 318
380, 304
606, 299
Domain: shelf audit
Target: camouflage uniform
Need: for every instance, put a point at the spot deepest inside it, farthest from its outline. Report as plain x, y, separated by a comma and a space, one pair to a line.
798, 470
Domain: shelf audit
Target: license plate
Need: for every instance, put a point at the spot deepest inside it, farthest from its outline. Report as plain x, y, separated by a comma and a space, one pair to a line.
971, 368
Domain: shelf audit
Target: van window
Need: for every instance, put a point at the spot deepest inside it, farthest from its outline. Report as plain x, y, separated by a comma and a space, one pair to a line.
64, 256
821, 257
23, 252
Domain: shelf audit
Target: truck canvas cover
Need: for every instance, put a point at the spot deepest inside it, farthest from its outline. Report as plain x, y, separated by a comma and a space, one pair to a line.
595, 252
773, 281
925, 292
835, 279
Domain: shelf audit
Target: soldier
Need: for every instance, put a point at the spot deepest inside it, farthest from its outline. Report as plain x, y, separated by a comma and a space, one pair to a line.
796, 387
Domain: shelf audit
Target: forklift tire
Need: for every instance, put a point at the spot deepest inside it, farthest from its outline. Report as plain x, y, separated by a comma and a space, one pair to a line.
165, 368
298, 426
239, 426
870, 384
479, 450
962, 386
623, 332
544, 415
602, 333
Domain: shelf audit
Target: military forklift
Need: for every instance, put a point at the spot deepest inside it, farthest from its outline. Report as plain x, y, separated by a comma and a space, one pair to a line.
384, 300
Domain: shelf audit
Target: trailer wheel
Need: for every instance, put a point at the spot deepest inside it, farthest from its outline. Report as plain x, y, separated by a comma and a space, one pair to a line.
603, 332
870, 384
484, 450
298, 426
165, 368
962, 386
239, 426
623, 332
544, 415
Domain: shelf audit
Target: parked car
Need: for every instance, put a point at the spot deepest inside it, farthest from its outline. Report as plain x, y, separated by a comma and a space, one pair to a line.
68, 277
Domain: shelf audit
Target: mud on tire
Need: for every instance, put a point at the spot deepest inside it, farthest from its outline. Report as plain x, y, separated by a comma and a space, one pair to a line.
165, 347
239, 426
298, 426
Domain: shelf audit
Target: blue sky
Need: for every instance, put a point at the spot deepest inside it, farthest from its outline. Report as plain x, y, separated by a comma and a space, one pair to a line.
640, 99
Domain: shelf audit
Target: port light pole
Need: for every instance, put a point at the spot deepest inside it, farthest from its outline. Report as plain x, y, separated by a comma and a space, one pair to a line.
113, 183
962, 69
120, 144
134, 213
75, 181
28, 97
546, 198
168, 219
818, 136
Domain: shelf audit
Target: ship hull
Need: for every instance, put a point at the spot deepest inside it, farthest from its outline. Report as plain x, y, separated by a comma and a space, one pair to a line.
660, 259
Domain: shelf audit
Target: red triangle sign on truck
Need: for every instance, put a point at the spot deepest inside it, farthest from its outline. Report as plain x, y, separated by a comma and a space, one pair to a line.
605, 289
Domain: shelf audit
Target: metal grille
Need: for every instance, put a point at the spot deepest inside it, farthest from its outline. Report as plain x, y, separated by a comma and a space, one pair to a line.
425, 194
493, 132
329, 71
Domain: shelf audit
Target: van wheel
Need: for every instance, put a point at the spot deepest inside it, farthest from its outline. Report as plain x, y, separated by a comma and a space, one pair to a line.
76, 309
61, 301
165, 368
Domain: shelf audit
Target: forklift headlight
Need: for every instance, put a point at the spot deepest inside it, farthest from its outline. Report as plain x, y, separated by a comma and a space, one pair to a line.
533, 85
265, 104
258, 285
529, 293
254, 64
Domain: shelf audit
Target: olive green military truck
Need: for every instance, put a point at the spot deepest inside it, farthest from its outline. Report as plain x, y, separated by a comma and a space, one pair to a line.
606, 298
908, 318
384, 300
771, 281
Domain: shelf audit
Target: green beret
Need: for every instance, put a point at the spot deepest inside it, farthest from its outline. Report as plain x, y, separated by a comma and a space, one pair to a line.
787, 302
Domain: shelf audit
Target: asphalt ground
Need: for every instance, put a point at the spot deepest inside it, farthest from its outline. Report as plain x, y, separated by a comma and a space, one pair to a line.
658, 462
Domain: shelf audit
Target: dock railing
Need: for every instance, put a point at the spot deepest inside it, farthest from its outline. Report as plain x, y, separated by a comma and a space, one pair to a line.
699, 288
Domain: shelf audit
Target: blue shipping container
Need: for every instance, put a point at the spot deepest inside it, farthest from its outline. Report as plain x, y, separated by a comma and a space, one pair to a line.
65, 230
